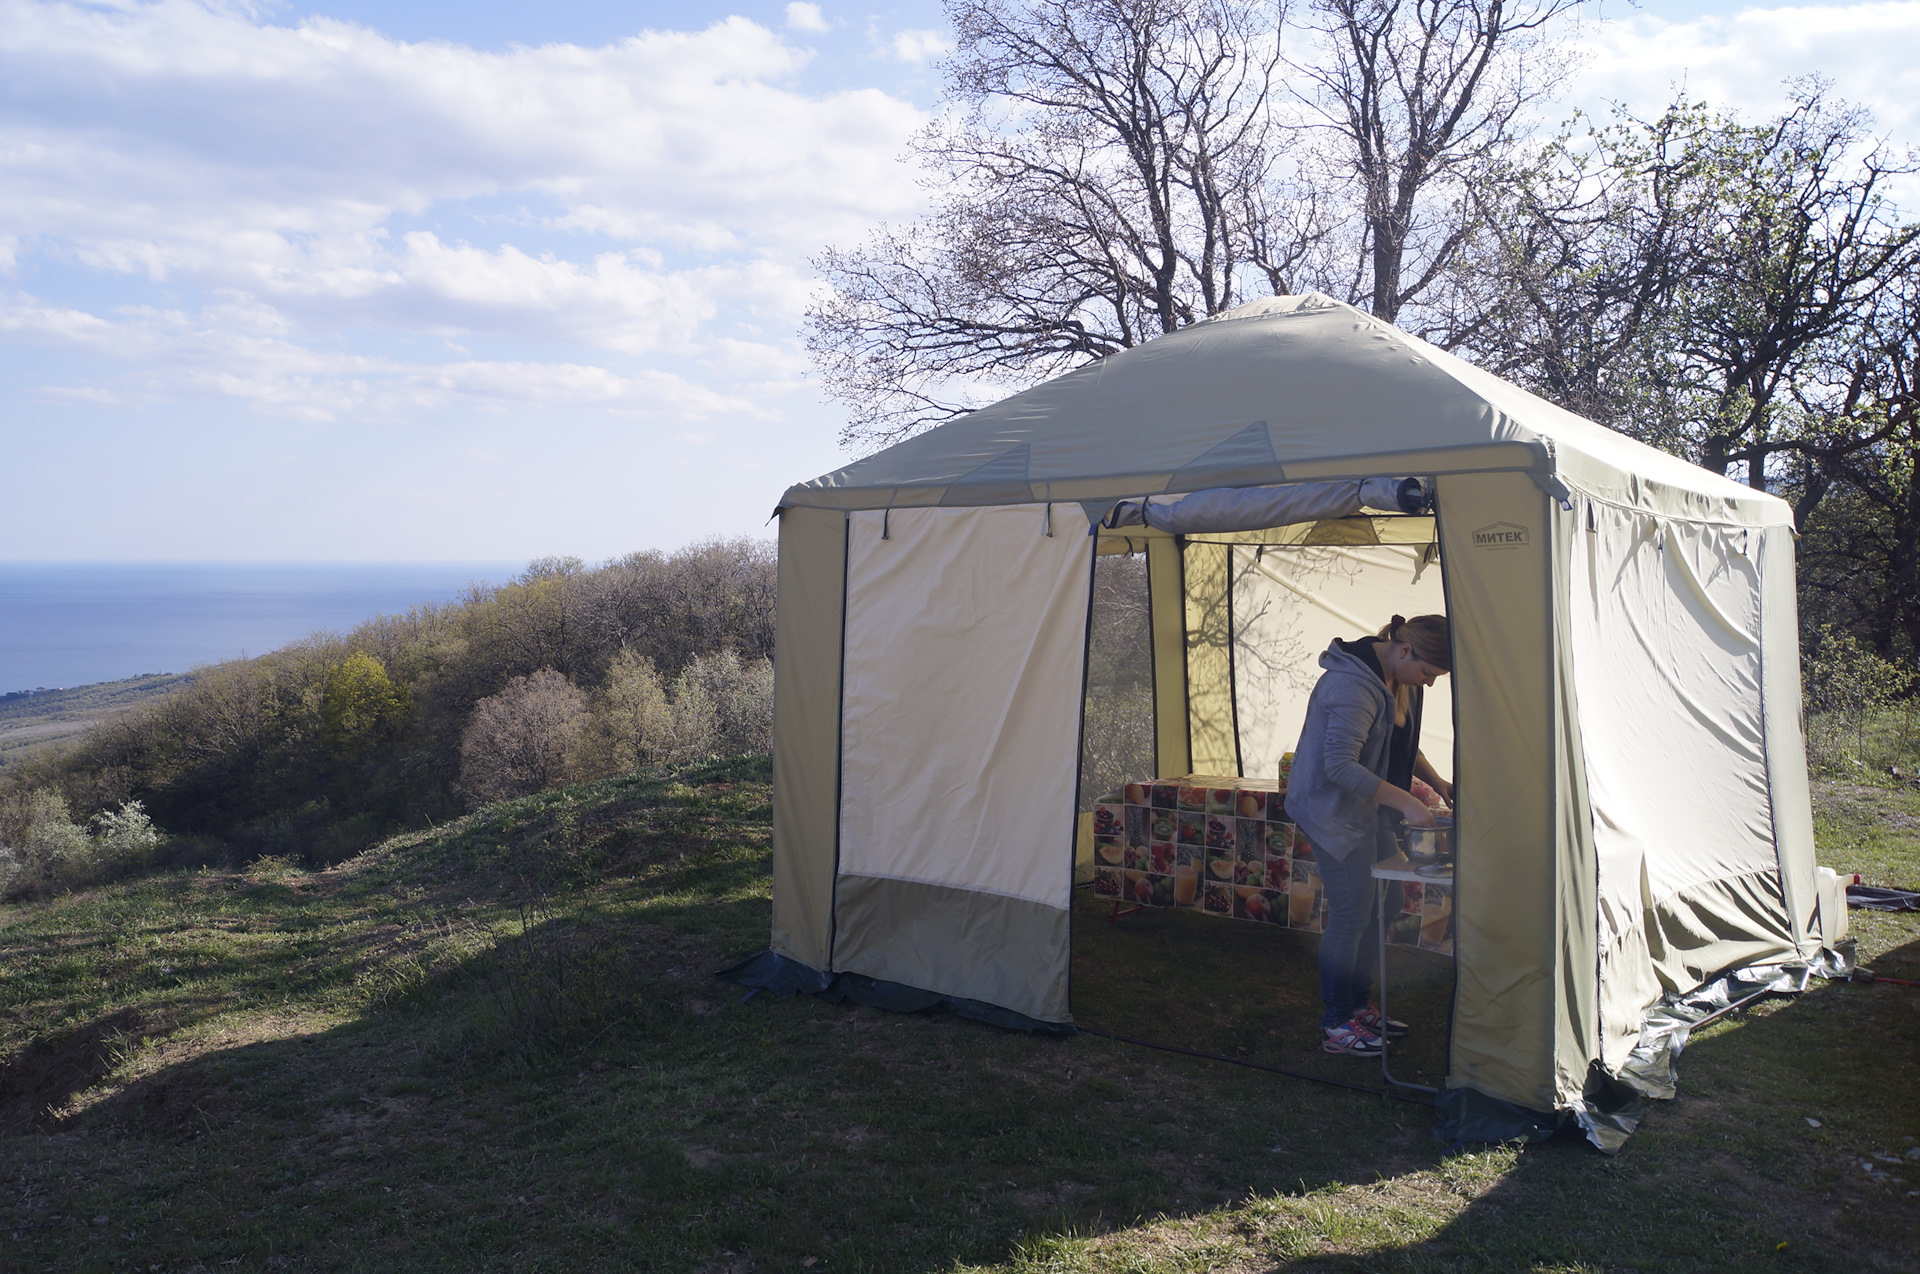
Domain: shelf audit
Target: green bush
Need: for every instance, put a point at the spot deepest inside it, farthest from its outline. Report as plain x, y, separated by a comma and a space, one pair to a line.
361, 704
1860, 708
126, 837
51, 851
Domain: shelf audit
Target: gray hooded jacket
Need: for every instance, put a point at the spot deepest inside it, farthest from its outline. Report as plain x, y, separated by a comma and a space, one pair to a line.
1341, 758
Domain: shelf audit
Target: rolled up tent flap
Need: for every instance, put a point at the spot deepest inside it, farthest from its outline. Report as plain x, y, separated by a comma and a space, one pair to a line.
1222, 509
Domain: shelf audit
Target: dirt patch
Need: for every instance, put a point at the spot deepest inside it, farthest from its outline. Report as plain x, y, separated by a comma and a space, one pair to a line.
48, 1073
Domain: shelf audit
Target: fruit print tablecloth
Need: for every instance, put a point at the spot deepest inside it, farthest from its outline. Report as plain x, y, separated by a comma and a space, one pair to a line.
1226, 848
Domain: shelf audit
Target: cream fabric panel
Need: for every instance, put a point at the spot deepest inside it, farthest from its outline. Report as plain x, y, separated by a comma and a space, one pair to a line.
965, 637
1288, 606
979, 946
1210, 729
806, 731
1666, 657
1576, 1010
1167, 600
1792, 801
1494, 536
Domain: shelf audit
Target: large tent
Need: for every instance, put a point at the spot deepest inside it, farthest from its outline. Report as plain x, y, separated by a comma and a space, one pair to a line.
1633, 815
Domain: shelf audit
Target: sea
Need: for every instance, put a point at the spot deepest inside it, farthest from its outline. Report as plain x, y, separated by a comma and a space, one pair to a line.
65, 624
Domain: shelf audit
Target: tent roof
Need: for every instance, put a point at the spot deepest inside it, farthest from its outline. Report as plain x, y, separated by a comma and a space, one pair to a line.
1283, 389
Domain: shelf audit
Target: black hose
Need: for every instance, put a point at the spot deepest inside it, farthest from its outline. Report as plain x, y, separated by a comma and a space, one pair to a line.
1259, 1066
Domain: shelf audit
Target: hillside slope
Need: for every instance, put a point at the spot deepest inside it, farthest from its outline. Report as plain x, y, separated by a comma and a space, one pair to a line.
34, 719
497, 1045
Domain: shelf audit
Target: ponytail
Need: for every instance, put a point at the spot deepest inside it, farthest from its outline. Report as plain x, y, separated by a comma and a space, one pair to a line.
1432, 643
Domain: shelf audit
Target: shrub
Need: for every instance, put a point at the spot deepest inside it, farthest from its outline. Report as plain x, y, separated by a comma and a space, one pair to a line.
126, 837
360, 703
51, 850
57, 850
739, 696
519, 741
696, 717
1117, 735
1848, 689
632, 723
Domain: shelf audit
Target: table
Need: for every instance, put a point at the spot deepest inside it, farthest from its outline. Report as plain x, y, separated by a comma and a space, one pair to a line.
1391, 877
1222, 846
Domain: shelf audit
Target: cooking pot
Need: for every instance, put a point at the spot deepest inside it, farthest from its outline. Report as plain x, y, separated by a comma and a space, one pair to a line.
1429, 844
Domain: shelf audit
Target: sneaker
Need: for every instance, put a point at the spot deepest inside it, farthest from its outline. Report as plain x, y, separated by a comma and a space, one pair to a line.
1393, 1029
1352, 1039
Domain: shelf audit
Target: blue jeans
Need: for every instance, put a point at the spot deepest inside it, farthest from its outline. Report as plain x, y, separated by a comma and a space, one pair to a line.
1351, 938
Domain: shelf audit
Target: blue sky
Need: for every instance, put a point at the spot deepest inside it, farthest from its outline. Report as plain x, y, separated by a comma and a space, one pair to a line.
485, 280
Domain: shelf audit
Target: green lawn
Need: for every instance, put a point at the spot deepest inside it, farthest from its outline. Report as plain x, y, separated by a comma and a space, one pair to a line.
498, 1045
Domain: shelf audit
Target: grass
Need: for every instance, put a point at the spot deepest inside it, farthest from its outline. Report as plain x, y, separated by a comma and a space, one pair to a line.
1875, 746
498, 1045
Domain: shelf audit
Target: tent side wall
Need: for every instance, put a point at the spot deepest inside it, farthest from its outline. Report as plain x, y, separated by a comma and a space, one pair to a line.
1517, 941
806, 731
1669, 645
1786, 744
1578, 985
1289, 603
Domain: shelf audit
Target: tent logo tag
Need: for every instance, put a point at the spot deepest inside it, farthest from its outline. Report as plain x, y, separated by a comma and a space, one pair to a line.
1501, 535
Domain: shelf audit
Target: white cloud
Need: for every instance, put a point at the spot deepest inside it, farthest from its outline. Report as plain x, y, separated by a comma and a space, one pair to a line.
236, 352
653, 198
1741, 61
805, 17
917, 46
224, 127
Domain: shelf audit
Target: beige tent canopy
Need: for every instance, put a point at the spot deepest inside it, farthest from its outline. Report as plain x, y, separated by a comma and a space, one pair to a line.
1633, 809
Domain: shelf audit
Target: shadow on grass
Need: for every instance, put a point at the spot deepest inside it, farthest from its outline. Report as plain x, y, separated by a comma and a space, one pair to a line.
1794, 1143
657, 1122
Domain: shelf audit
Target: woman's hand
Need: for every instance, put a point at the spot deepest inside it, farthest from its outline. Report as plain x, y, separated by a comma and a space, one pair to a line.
1410, 806
1443, 787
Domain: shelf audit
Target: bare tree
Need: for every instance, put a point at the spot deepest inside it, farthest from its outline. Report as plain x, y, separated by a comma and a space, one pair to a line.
1786, 282
672, 607
1108, 172
1421, 99
1713, 287
1859, 490
1584, 248
518, 742
1112, 171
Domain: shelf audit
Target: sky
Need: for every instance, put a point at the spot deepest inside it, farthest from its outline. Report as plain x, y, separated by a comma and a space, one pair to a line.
345, 280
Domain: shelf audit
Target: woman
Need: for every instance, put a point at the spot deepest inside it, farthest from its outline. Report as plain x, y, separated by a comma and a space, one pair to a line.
1358, 755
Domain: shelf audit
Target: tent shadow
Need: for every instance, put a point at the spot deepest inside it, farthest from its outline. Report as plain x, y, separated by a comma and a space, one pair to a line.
312, 1123
960, 1142
1730, 1173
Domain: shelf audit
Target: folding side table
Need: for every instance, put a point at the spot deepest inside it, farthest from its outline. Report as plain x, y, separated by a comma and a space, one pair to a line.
1396, 870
